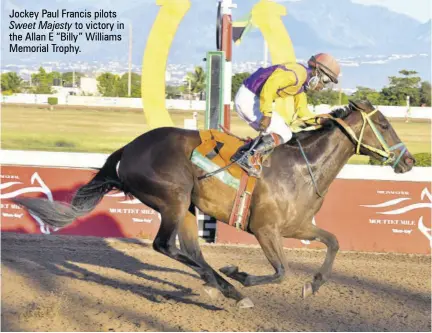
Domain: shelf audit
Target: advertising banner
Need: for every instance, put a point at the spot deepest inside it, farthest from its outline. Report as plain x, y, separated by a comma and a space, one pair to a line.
365, 215
114, 216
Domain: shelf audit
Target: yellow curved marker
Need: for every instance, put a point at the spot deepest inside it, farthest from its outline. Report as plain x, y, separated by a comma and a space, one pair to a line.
155, 59
266, 15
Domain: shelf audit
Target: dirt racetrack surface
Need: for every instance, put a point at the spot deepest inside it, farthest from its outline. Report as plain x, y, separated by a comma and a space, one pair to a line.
65, 283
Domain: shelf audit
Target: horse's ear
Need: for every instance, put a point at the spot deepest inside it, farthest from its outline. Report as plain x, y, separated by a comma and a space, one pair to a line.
353, 105
360, 105
369, 105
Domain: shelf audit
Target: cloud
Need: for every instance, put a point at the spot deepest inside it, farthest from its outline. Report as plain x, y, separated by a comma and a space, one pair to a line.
375, 62
349, 63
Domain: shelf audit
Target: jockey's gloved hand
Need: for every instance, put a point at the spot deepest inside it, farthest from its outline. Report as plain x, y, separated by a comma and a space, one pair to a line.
322, 121
264, 123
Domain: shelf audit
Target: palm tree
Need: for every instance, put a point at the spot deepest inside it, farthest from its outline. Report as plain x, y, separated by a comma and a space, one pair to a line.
197, 80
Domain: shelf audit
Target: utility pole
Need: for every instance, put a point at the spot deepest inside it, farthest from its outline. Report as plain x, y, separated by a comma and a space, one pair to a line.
408, 110
190, 93
130, 60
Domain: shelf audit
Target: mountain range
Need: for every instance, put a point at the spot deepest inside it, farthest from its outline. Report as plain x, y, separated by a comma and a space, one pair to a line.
341, 27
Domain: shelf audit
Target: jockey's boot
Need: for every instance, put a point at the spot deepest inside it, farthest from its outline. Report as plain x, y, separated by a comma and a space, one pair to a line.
249, 159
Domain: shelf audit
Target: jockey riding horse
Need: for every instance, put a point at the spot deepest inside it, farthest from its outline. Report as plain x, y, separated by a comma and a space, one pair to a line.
254, 101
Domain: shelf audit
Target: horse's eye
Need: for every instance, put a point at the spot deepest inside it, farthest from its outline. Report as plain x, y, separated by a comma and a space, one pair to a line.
384, 126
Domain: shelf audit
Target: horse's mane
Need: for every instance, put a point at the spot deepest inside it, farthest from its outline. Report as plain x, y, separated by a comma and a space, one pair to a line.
341, 112
329, 126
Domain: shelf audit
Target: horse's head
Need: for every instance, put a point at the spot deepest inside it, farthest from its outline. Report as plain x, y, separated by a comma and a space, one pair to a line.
377, 138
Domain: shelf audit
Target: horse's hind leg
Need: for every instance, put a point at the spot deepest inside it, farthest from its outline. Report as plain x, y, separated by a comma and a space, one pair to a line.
271, 243
174, 219
330, 240
165, 240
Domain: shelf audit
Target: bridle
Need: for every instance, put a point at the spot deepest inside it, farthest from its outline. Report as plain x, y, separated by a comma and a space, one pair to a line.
387, 153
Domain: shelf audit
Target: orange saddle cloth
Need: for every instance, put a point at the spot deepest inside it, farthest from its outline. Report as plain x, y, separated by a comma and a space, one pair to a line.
219, 147
215, 152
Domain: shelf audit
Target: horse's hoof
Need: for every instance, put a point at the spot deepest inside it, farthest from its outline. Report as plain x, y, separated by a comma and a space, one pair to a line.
213, 293
229, 270
307, 290
245, 303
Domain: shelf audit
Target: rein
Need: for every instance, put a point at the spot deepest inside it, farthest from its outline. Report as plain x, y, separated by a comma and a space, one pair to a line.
387, 153
317, 191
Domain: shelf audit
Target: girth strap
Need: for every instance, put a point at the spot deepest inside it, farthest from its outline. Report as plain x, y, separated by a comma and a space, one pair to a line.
240, 211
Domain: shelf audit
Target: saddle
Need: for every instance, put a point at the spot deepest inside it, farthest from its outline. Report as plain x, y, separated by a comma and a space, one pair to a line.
215, 152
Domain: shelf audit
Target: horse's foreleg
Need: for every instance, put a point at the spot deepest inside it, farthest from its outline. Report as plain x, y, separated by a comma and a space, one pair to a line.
330, 240
271, 243
188, 236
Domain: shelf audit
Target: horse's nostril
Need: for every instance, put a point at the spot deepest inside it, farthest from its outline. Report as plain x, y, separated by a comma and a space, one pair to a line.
410, 161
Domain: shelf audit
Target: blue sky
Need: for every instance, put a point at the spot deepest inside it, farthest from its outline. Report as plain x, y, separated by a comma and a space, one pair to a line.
418, 9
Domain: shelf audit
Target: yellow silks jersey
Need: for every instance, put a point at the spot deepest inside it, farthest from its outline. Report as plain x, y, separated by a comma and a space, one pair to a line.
280, 81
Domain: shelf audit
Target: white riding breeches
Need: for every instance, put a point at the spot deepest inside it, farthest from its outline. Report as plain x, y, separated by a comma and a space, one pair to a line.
247, 106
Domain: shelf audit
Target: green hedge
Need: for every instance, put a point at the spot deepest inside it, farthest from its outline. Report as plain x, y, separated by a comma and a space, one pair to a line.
7, 92
52, 100
422, 160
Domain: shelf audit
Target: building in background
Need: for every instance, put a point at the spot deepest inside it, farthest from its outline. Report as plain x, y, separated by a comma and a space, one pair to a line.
88, 86
59, 90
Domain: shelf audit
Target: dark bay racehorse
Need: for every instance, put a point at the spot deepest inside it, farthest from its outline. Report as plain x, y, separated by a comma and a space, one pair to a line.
156, 169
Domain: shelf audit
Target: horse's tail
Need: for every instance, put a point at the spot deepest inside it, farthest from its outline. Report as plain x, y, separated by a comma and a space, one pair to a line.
59, 214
